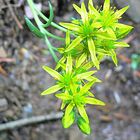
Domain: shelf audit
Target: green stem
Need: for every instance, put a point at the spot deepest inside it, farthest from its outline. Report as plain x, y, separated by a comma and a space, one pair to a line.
39, 24
52, 23
53, 36
51, 49
54, 48
50, 17
31, 5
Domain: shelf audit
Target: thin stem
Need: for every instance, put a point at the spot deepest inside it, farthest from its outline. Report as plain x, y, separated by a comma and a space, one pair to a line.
51, 49
31, 5
54, 48
52, 23
53, 36
39, 23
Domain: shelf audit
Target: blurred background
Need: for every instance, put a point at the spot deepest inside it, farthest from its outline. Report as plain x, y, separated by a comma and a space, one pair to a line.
22, 79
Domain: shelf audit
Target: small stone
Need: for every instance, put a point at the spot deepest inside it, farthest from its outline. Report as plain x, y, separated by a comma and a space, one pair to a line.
27, 110
117, 97
108, 74
9, 114
3, 104
119, 68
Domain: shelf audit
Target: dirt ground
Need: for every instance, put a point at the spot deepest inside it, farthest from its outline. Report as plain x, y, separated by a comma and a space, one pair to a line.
22, 80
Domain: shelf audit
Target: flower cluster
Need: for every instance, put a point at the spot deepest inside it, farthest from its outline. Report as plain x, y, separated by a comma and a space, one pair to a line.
98, 32
95, 35
74, 81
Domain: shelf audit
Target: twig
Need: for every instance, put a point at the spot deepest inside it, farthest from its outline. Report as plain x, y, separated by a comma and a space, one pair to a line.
137, 73
29, 121
12, 5
13, 15
124, 58
2, 71
130, 38
8, 60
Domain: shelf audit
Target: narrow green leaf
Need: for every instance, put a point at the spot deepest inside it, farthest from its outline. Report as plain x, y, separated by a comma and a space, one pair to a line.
90, 94
92, 50
94, 11
123, 30
69, 108
90, 3
69, 64
114, 57
83, 8
94, 101
81, 60
111, 33
78, 9
100, 56
64, 96
119, 13
52, 89
123, 26
67, 121
101, 51
121, 44
67, 38
70, 26
83, 126
53, 73
86, 87
91, 78
63, 104
60, 63
83, 113
75, 21
74, 43
96, 25
106, 6
84, 14
73, 86
61, 50
33, 29
105, 35
88, 65
50, 17
85, 74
